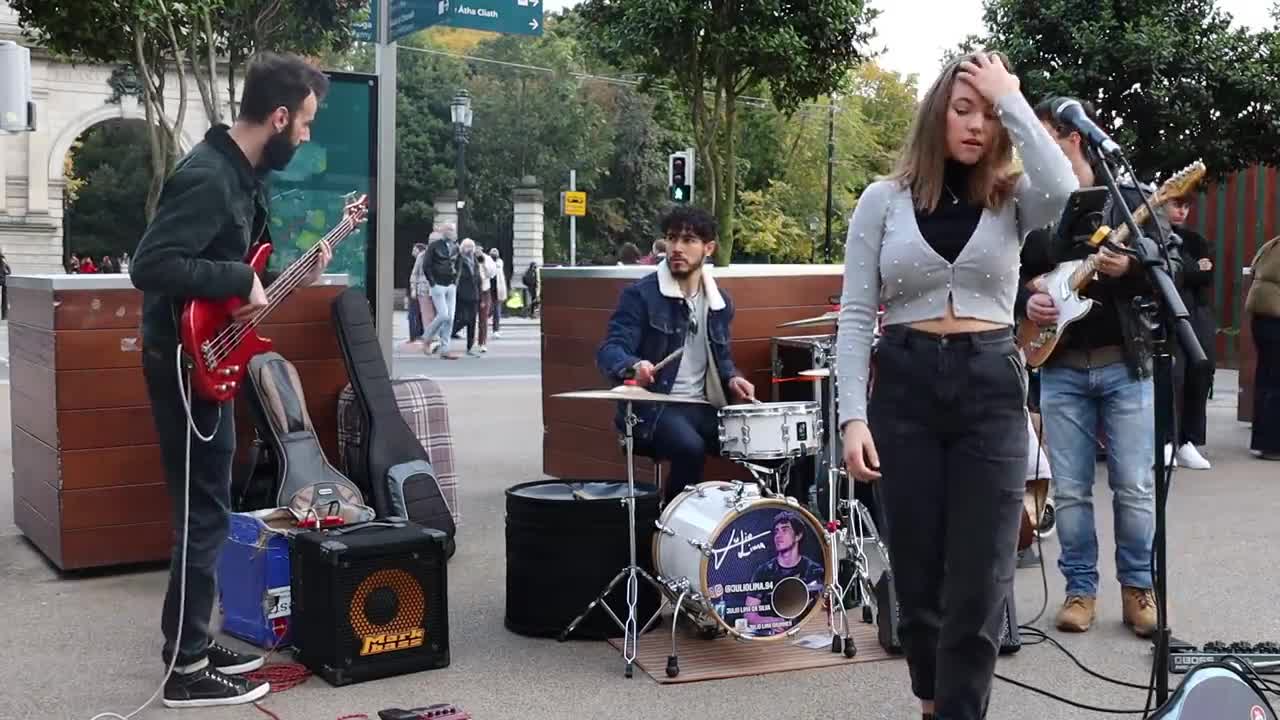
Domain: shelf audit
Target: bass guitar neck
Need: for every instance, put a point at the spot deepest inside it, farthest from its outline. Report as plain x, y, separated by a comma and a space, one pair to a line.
219, 345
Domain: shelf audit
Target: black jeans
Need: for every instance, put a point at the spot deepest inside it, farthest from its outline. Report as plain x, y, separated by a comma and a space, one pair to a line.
1191, 387
497, 308
1265, 436
210, 501
685, 435
948, 415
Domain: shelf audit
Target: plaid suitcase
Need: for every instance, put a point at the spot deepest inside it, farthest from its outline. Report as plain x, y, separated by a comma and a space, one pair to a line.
422, 404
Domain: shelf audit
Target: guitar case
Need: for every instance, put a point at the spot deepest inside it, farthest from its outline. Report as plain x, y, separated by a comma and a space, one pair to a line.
304, 481
392, 465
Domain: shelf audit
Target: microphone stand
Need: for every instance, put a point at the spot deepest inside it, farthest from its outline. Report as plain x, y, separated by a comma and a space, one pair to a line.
1163, 311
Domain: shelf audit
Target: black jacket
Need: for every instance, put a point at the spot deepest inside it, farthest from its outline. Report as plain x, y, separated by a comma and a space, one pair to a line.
469, 279
1197, 284
442, 261
212, 208
1115, 320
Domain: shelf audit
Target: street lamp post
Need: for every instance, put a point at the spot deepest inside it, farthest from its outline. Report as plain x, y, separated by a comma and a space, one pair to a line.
460, 110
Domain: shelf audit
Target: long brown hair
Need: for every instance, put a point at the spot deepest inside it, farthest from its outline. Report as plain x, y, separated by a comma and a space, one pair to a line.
922, 161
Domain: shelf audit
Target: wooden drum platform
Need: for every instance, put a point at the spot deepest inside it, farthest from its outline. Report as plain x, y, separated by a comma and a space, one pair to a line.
88, 483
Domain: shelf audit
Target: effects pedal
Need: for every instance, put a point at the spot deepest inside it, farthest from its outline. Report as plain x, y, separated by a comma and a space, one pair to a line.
1263, 657
439, 711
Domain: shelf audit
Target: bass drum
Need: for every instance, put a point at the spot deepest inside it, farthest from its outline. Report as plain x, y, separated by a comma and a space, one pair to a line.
758, 565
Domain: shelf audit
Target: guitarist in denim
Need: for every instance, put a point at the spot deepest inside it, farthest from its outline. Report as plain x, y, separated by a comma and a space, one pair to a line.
212, 209
1100, 375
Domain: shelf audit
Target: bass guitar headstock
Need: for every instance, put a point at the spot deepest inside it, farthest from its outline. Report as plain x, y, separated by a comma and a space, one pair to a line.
356, 208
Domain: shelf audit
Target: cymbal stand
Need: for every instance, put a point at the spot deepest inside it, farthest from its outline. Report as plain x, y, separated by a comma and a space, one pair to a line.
632, 572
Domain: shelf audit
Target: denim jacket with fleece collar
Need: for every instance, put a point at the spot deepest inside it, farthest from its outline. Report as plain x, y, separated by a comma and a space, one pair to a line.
650, 323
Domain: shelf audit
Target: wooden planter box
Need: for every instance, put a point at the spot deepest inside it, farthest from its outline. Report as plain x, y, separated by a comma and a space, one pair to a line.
88, 482
579, 437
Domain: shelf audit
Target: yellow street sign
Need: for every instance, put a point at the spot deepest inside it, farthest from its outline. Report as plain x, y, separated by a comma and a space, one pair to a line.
574, 202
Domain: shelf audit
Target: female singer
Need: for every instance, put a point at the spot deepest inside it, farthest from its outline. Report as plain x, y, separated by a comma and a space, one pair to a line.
937, 243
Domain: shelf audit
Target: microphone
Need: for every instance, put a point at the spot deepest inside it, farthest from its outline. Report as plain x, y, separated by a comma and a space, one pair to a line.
1072, 114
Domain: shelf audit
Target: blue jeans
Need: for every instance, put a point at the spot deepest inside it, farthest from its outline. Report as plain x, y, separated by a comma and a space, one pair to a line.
1072, 402
445, 300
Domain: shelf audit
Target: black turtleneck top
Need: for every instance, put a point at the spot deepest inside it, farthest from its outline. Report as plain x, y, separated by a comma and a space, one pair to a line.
947, 229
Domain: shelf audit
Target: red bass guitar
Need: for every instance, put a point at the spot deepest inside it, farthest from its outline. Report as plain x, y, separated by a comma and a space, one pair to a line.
219, 346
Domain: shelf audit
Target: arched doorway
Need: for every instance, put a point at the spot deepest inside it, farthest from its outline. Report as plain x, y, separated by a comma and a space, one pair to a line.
106, 173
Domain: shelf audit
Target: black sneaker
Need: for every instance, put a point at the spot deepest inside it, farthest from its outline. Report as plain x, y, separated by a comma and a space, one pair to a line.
207, 687
230, 662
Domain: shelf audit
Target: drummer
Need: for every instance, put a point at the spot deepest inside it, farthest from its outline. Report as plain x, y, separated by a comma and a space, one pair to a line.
678, 307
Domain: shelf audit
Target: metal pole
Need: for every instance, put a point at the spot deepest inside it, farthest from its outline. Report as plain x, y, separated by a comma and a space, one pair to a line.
573, 223
460, 138
831, 161
385, 262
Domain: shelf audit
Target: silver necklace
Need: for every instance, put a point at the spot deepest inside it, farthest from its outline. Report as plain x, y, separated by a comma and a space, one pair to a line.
954, 200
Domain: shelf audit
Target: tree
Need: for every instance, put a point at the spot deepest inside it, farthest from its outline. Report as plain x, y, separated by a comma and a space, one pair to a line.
424, 133
783, 214
717, 52
1171, 79
243, 27
531, 123
111, 168
148, 34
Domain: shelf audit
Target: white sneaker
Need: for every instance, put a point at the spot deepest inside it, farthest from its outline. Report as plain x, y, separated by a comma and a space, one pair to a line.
1189, 457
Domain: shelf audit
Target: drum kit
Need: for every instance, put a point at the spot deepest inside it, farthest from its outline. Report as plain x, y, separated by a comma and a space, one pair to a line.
743, 558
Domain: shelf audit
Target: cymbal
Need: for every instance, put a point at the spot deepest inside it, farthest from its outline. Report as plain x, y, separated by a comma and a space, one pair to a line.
633, 393
823, 319
817, 372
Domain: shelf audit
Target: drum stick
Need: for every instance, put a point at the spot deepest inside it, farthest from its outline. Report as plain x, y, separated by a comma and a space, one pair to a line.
667, 360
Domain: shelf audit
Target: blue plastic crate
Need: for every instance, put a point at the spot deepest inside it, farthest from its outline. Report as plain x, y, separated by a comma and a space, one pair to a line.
253, 578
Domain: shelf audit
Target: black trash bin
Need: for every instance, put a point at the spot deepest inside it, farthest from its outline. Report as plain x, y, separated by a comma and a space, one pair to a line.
566, 540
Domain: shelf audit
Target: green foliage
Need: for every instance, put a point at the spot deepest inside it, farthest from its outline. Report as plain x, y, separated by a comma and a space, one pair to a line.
151, 35
1171, 78
790, 155
716, 52
305, 27
424, 136
111, 167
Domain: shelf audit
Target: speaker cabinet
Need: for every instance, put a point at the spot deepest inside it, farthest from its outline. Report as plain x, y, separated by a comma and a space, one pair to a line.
370, 601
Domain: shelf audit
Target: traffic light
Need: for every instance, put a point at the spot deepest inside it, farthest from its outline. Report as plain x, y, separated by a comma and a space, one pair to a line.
680, 176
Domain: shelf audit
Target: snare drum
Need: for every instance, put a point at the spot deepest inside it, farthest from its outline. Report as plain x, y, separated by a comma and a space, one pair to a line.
771, 431
755, 566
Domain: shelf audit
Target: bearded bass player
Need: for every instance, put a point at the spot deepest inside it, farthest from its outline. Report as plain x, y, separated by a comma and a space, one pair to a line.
212, 208
677, 307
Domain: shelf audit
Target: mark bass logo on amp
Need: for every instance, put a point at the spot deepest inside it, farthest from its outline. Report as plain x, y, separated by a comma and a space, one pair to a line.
392, 642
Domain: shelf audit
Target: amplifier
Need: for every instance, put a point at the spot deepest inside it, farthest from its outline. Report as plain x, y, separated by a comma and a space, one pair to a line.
887, 610
370, 601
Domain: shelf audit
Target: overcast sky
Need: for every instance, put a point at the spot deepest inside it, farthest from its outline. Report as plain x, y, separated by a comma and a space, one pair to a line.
914, 47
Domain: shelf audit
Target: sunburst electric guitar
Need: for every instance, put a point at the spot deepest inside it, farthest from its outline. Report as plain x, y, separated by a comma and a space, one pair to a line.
219, 346
1065, 282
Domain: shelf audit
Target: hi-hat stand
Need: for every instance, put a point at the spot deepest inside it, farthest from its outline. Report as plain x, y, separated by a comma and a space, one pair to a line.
632, 572
852, 536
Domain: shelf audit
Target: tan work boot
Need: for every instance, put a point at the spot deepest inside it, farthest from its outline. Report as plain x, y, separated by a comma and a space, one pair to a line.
1077, 613
1139, 610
